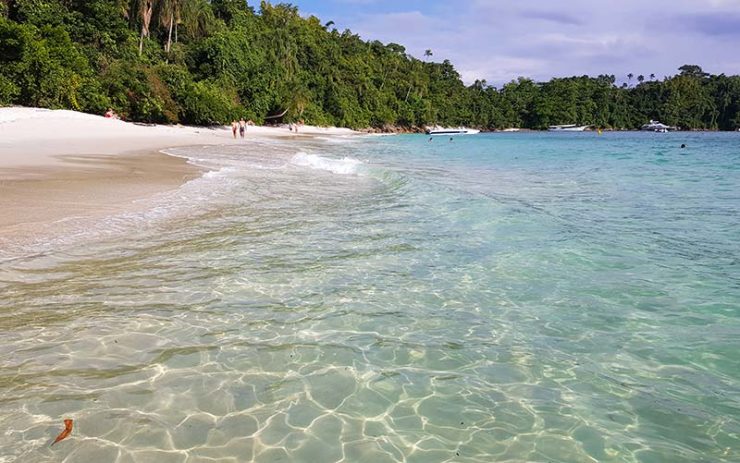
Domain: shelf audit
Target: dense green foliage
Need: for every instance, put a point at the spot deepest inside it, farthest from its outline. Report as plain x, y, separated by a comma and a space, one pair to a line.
206, 62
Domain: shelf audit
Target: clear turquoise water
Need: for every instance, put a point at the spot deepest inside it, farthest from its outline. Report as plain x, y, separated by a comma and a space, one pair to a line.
504, 297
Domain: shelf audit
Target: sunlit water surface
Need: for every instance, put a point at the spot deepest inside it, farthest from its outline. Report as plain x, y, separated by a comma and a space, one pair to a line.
518, 297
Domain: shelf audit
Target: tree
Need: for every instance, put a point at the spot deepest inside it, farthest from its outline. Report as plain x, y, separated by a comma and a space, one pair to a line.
146, 7
692, 70
169, 16
630, 76
396, 48
197, 17
231, 61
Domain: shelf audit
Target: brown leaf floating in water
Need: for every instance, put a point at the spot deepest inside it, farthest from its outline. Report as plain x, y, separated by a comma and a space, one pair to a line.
67, 431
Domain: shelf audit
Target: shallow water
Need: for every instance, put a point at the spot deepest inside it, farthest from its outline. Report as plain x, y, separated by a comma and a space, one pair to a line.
504, 297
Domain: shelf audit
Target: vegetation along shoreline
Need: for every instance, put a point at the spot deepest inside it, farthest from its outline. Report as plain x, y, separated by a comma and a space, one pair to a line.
201, 62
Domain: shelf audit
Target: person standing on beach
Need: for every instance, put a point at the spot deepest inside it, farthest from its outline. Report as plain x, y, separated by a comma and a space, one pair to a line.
242, 127
233, 128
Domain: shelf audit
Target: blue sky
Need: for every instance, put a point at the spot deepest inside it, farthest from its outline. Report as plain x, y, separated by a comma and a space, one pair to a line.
499, 40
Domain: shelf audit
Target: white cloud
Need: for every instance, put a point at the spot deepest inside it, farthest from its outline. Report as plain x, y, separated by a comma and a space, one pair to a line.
499, 40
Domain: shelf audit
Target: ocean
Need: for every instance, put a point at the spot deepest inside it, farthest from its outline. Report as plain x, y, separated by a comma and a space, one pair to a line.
519, 297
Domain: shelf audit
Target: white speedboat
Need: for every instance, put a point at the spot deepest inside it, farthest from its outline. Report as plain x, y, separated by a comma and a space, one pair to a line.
451, 131
655, 126
568, 128
511, 129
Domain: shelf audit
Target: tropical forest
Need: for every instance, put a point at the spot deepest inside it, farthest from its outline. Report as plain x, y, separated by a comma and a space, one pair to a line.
204, 62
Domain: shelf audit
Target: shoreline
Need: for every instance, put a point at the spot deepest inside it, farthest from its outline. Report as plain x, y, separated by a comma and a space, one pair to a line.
45, 202
58, 168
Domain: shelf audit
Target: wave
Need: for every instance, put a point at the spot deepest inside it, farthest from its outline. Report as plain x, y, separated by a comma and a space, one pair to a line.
341, 139
219, 173
345, 166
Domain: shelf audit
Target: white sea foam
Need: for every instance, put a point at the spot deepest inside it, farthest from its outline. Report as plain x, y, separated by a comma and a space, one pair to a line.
219, 173
345, 166
340, 139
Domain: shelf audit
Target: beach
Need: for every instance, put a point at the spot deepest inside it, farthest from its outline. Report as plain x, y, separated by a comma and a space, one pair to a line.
527, 249
58, 167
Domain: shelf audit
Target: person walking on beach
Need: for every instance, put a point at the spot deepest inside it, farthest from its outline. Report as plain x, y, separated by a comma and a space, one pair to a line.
233, 127
242, 127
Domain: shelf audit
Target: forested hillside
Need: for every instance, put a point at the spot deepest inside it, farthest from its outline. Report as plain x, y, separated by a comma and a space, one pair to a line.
207, 62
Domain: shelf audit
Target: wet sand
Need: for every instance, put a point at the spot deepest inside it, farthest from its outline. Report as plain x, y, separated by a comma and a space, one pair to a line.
35, 199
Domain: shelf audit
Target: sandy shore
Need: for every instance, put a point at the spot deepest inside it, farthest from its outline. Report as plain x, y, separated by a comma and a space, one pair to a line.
84, 187
57, 165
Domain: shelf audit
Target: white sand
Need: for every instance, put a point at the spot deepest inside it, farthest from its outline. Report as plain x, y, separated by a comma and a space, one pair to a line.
36, 137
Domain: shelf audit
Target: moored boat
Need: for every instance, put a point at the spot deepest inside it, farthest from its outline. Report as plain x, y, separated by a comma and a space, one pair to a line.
451, 131
568, 128
655, 126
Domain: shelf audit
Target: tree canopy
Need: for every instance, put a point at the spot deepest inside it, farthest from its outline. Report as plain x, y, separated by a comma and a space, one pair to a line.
210, 61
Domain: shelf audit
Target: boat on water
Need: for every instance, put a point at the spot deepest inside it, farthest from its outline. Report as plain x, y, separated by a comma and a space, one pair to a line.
655, 126
511, 129
568, 128
451, 131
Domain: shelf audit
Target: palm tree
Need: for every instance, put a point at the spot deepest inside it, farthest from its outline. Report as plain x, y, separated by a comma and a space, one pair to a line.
197, 16
652, 76
428, 53
640, 78
169, 15
630, 76
131, 10
145, 14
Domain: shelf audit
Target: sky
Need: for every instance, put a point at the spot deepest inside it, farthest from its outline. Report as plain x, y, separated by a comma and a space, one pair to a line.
500, 40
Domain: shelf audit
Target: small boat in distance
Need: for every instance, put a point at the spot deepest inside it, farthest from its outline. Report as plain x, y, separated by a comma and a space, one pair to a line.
655, 126
437, 130
568, 128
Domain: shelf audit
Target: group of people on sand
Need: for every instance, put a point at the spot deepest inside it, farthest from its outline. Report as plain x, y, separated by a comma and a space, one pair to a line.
240, 126
294, 126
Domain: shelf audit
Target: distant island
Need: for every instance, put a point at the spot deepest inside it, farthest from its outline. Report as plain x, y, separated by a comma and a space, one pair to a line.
205, 62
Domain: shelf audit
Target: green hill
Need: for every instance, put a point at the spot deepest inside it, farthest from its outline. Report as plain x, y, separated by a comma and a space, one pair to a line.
207, 62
